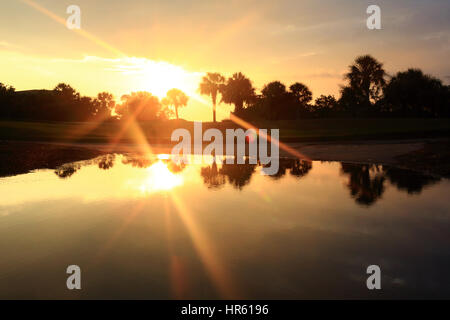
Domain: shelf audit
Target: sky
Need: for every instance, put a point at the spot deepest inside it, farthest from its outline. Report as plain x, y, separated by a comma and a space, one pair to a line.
154, 45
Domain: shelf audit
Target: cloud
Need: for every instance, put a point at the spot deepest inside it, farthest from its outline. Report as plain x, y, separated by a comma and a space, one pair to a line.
326, 74
316, 27
8, 45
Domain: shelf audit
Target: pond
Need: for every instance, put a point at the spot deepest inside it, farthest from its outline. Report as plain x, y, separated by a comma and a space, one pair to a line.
147, 228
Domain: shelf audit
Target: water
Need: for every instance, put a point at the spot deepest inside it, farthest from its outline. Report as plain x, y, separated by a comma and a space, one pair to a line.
146, 228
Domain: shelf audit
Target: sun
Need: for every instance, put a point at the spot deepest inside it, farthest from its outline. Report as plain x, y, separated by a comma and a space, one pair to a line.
158, 77
162, 77
160, 179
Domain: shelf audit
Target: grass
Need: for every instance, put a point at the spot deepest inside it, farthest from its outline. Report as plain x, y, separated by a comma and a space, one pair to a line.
290, 130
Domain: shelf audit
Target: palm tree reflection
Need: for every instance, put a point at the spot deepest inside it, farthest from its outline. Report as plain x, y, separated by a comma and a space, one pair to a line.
300, 168
106, 162
212, 177
67, 170
239, 175
297, 168
367, 182
138, 162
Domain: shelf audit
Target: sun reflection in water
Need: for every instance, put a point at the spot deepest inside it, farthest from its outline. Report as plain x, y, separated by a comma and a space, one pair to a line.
160, 178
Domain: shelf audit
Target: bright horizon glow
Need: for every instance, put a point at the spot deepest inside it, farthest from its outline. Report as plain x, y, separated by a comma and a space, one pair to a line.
158, 77
160, 179
158, 45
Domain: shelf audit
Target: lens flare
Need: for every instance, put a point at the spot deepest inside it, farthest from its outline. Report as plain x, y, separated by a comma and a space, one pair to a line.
160, 179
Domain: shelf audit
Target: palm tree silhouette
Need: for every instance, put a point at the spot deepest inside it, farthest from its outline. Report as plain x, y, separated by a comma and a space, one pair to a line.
238, 90
175, 98
210, 85
366, 76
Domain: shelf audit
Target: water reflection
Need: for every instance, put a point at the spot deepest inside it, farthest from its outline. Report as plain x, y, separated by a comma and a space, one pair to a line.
161, 177
366, 182
238, 175
297, 168
67, 170
145, 227
411, 182
138, 161
212, 177
106, 162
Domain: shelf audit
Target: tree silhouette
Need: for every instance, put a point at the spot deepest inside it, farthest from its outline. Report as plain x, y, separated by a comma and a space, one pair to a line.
69, 105
275, 100
210, 85
5, 89
408, 94
301, 92
63, 103
103, 105
66, 92
274, 90
142, 106
237, 90
302, 96
412, 93
175, 98
325, 106
6, 98
366, 82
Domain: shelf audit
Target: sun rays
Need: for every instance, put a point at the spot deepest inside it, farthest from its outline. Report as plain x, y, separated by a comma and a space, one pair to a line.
208, 253
160, 179
81, 32
158, 78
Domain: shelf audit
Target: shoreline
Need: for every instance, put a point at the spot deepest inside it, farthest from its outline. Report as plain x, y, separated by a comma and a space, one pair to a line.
428, 156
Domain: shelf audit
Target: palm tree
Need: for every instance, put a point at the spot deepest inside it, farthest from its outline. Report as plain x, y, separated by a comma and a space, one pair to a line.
210, 85
238, 90
176, 98
366, 77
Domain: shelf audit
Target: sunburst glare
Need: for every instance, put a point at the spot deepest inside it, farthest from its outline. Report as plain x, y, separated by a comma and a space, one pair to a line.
160, 179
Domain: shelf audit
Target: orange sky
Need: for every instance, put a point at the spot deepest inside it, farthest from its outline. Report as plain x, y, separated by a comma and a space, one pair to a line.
156, 45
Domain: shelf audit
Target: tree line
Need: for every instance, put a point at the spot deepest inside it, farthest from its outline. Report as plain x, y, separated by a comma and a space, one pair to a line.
368, 92
64, 103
